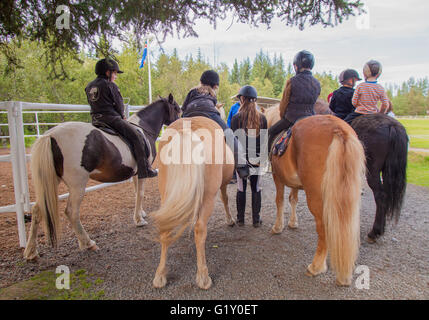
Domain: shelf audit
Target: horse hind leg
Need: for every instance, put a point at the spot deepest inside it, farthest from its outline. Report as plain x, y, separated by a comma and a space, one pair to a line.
160, 279
279, 224
139, 213
318, 265
293, 200
376, 186
72, 212
30, 252
200, 233
224, 196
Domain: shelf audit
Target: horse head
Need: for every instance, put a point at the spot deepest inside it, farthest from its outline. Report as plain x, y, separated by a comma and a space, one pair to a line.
172, 109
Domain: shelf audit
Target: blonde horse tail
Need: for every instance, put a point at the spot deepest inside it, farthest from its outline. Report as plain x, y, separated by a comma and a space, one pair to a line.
45, 182
184, 191
341, 191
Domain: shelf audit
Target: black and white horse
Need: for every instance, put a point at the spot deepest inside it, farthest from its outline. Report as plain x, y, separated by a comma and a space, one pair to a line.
74, 152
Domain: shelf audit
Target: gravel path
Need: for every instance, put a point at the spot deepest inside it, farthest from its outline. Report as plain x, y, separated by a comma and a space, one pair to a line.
244, 263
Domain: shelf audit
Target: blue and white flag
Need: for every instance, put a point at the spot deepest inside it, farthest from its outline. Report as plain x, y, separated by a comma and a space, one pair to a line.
144, 55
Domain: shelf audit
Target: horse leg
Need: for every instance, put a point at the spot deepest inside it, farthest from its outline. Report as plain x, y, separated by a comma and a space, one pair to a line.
72, 213
160, 279
30, 252
224, 196
376, 186
200, 233
279, 224
139, 213
318, 264
293, 200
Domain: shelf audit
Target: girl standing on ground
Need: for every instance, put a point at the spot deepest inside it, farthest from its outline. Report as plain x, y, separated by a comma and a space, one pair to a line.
254, 126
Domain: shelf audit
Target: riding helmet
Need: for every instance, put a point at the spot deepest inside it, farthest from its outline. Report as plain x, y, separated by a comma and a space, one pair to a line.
372, 69
304, 59
210, 78
348, 74
248, 91
106, 64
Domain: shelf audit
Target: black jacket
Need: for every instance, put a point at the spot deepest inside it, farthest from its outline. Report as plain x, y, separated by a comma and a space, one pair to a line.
200, 102
305, 89
341, 102
104, 98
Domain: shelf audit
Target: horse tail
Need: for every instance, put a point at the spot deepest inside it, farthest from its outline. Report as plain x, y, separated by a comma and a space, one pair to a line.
341, 191
45, 182
183, 191
394, 171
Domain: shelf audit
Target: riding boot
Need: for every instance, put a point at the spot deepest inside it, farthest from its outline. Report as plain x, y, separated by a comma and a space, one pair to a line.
144, 169
241, 206
256, 209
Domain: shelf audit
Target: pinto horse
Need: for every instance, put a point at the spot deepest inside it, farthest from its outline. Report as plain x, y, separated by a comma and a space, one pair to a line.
188, 188
385, 142
327, 161
73, 152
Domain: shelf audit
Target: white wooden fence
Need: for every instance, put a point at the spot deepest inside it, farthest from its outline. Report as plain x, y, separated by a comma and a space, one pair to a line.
19, 158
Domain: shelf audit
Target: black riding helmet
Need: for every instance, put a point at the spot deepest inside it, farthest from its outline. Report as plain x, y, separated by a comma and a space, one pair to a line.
304, 59
349, 74
248, 91
210, 78
106, 64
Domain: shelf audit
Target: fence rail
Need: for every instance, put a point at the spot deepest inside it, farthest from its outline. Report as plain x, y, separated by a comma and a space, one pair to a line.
19, 158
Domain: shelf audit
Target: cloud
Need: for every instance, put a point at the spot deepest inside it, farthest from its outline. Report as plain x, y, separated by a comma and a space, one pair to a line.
397, 36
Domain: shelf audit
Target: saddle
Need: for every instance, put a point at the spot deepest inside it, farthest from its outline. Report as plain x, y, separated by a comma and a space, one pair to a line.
281, 143
109, 130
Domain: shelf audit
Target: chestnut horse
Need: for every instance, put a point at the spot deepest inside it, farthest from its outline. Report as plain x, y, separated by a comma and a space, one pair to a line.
188, 187
73, 152
385, 142
326, 160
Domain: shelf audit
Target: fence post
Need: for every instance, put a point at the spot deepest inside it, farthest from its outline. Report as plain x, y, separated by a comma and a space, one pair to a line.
17, 148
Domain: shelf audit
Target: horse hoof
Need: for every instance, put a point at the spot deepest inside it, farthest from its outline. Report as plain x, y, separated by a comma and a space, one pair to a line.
275, 230
311, 273
144, 214
159, 281
293, 225
345, 283
370, 240
204, 282
31, 256
231, 224
141, 223
94, 247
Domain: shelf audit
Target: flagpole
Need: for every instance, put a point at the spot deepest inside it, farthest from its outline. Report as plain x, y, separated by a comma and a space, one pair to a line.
148, 65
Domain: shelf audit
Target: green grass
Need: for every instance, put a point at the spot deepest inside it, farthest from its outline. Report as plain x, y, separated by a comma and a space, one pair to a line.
418, 169
418, 131
43, 287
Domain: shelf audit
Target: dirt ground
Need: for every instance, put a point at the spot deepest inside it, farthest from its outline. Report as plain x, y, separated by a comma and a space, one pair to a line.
244, 262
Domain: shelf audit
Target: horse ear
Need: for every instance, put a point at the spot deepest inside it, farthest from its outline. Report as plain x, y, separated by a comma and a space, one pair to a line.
262, 109
170, 98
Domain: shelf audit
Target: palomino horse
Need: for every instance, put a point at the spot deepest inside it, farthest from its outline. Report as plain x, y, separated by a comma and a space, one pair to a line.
385, 142
188, 188
327, 161
74, 152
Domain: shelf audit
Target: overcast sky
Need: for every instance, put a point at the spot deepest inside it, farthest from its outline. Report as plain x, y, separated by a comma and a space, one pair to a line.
395, 32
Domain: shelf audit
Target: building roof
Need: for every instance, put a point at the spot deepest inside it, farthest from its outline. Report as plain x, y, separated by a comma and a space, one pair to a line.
262, 101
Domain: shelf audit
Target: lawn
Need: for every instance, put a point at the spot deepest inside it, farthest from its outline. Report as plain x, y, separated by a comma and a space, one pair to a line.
418, 169
418, 131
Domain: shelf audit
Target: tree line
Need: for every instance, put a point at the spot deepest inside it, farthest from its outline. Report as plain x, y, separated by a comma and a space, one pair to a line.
170, 74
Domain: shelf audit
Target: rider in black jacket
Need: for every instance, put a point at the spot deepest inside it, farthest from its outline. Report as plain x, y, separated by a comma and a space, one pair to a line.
341, 102
107, 108
299, 96
201, 101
